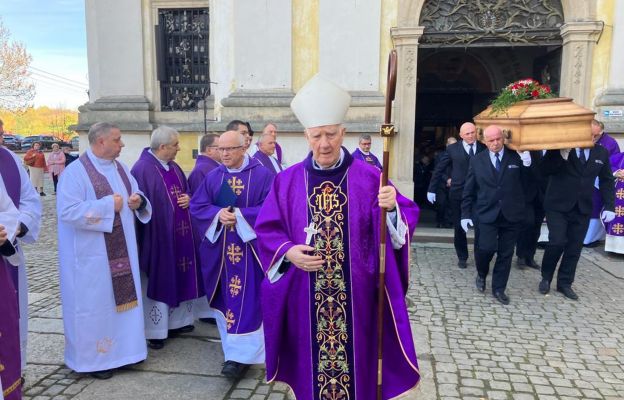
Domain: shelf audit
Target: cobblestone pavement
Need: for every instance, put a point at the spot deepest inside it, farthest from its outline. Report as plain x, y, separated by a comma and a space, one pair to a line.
470, 346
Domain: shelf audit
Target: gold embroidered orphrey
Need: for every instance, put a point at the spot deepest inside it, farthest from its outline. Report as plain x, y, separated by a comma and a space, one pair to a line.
236, 184
234, 253
331, 297
235, 286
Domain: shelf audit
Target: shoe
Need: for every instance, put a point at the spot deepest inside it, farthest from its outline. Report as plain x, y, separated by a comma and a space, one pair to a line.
233, 370
567, 292
105, 374
480, 282
462, 264
179, 331
532, 264
501, 297
42, 194
211, 321
544, 286
520, 263
592, 244
156, 344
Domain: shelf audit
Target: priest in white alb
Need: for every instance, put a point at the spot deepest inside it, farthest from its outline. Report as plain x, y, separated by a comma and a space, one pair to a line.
98, 204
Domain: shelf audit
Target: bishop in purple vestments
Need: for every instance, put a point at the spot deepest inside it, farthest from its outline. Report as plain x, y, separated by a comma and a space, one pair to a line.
224, 209
596, 230
318, 234
363, 152
167, 254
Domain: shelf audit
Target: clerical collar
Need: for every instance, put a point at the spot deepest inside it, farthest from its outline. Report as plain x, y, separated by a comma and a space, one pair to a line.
242, 167
345, 161
98, 160
336, 165
163, 163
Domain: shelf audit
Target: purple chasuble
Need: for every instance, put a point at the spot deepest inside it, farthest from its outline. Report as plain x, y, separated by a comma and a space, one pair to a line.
13, 184
167, 252
616, 227
266, 161
369, 158
613, 148
203, 165
319, 327
230, 267
10, 359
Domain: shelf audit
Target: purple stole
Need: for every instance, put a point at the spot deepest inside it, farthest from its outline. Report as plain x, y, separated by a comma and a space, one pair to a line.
278, 153
183, 242
240, 277
12, 182
616, 227
10, 359
266, 161
116, 246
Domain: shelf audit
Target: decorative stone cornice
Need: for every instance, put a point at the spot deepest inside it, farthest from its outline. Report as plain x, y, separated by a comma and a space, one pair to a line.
407, 36
582, 31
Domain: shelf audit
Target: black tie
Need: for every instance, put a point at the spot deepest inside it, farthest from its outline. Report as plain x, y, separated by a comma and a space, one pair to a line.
582, 156
498, 163
471, 151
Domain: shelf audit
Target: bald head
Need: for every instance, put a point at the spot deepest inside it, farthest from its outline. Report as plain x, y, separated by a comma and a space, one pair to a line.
468, 132
232, 149
493, 138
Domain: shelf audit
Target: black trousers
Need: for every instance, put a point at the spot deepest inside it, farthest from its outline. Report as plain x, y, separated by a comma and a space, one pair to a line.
443, 208
530, 231
498, 237
459, 237
55, 179
566, 231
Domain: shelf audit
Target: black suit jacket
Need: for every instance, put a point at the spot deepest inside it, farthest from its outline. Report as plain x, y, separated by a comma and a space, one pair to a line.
488, 192
571, 183
456, 157
536, 182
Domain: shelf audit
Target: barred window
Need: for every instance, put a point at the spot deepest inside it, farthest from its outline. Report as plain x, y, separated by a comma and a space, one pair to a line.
183, 64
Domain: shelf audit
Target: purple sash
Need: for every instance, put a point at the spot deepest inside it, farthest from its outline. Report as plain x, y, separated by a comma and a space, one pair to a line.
116, 246
10, 360
12, 182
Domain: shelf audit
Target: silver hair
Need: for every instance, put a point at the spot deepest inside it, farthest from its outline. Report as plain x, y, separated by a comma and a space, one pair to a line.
100, 129
365, 136
162, 135
261, 138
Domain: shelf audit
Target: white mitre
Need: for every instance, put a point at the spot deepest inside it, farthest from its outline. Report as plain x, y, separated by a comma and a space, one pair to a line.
320, 102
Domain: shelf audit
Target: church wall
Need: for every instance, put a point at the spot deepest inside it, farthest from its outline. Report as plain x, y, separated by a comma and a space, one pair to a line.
305, 41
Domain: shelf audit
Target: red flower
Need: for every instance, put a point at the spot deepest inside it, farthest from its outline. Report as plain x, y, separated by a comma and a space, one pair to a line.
535, 93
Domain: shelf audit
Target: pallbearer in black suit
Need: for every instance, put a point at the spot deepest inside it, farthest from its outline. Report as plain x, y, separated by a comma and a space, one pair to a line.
568, 205
495, 187
534, 214
457, 156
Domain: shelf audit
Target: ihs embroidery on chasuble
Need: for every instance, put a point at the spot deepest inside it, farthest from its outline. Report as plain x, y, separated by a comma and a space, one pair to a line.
332, 338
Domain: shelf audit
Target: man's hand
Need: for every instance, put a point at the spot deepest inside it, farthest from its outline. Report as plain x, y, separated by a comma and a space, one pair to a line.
565, 153
465, 223
607, 216
431, 197
448, 182
227, 217
297, 255
3, 235
184, 200
134, 201
387, 197
118, 202
619, 174
525, 156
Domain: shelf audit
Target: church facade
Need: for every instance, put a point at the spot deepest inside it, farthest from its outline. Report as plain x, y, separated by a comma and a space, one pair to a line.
197, 64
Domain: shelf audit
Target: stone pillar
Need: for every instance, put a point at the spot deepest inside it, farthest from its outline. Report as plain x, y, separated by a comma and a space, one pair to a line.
610, 104
579, 40
404, 110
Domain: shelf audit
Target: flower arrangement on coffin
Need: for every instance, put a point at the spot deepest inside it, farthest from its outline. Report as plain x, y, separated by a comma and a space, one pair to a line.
524, 89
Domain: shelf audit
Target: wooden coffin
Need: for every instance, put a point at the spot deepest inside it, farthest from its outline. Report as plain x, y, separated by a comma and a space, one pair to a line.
544, 124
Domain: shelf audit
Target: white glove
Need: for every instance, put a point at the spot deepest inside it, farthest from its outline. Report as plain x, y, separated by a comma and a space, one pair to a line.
565, 153
607, 216
431, 197
525, 156
465, 223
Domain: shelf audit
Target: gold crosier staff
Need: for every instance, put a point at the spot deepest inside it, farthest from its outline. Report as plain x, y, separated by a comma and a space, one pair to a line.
387, 131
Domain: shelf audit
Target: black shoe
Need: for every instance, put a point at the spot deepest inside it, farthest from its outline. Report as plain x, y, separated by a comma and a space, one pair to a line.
544, 286
105, 374
179, 331
233, 370
462, 264
520, 263
156, 344
211, 321
592, 244
42, 194
567, 292
501, 297
530, 262
480, 282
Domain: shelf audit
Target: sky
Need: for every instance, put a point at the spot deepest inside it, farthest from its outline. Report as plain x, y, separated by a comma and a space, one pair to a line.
53, 32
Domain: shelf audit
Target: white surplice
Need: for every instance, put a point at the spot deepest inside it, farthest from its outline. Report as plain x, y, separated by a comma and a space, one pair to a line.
30, 215
97, 337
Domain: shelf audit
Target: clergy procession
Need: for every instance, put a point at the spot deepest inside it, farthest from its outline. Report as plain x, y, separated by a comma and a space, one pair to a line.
289, 263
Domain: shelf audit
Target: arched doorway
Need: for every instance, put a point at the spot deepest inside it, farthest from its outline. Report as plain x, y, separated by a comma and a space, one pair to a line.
467, 53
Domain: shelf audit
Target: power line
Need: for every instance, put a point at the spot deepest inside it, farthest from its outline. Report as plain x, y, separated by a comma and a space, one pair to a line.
59, 85
36, 75
41, 71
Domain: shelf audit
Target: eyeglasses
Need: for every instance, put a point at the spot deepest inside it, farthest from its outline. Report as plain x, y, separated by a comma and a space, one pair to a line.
228, 149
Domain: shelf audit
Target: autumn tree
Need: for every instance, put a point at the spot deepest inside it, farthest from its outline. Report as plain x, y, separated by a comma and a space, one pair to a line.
16, 89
